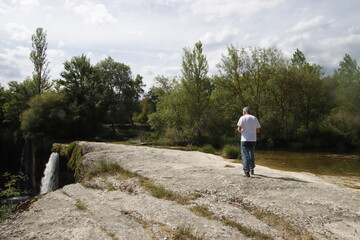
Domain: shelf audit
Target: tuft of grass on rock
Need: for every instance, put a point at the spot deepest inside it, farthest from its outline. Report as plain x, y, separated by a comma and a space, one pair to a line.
246, 230
203, 211
162, 193
185, 233
229, 166
80, 205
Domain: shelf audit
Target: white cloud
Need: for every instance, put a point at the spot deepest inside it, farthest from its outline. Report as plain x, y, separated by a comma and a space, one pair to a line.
26, 3
17, 32
243, 9
15, 64
318, 22
55, 53
225, 35
93, 13
5, 9
167, 2
338, 46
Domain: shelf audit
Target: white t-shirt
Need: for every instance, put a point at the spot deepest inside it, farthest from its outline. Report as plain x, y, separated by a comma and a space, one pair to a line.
249, 124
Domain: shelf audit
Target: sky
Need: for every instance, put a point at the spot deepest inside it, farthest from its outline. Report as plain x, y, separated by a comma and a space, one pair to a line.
150, 35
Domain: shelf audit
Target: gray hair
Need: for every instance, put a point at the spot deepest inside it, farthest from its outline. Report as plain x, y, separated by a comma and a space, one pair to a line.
246, 110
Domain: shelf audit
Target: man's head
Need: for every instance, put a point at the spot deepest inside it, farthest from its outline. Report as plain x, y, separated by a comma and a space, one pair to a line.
246, 110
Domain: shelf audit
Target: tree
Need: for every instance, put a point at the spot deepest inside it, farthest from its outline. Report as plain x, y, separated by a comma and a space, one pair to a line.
121, 93
82, 88
77, 78
48, 114
346, 116
197, 89
39, 57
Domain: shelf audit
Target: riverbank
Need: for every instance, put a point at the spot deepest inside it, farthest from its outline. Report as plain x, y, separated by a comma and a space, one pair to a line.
161, 193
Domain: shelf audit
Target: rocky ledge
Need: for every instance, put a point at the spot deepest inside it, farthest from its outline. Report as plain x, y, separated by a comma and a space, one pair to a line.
136, 192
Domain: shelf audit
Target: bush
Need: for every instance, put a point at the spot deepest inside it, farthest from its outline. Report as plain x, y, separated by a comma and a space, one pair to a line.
11, 188
230, 151
208, 149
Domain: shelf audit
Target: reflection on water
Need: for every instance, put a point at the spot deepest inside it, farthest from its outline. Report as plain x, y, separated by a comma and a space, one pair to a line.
318, 163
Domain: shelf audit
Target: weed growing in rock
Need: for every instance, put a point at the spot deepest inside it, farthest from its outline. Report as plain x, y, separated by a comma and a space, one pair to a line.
229, 166
282, 224
246, 231
80, 205
107, 232
185, 233
203, 211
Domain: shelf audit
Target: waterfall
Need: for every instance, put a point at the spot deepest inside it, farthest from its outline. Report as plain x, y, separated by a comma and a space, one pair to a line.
50, 180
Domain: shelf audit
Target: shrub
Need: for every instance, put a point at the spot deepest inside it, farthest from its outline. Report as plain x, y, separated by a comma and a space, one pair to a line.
11, 188
230, 151
208, 149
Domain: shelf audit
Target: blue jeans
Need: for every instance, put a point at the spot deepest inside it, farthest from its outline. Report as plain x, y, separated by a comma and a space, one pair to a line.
247, 155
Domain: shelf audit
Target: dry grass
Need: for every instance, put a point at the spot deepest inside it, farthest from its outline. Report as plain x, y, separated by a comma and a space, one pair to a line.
203, 211
185, 233
80, 205
247, 231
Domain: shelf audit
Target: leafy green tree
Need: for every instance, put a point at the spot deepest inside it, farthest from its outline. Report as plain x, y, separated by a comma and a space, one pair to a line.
346, 116
149, 102
2, 102
310, 101
17, 97
249, 77
121, 93
197, 89
167, 115
39, 58
48, 114
183, 107
77, 78
81, 86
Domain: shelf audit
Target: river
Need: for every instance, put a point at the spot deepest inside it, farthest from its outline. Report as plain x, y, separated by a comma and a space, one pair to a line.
343, 170
317, 163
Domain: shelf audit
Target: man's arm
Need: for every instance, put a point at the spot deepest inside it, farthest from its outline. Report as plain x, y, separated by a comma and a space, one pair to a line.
239, 129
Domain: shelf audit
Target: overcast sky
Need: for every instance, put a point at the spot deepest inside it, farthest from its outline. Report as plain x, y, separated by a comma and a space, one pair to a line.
149, 35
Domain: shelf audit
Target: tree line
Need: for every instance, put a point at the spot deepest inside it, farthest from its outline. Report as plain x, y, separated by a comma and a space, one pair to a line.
297, 105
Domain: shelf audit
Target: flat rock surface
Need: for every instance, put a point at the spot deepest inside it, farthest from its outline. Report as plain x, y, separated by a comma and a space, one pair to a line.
271, 204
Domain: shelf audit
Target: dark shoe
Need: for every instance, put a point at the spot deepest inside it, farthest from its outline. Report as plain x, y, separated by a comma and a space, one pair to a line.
246, 174
252, 172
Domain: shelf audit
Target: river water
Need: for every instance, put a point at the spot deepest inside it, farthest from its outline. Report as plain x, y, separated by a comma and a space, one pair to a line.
317, 163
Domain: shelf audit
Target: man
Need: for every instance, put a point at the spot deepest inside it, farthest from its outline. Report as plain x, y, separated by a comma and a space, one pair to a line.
248, 127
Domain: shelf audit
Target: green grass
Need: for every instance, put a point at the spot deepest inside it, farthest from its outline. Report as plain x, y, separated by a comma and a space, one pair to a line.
74, 153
